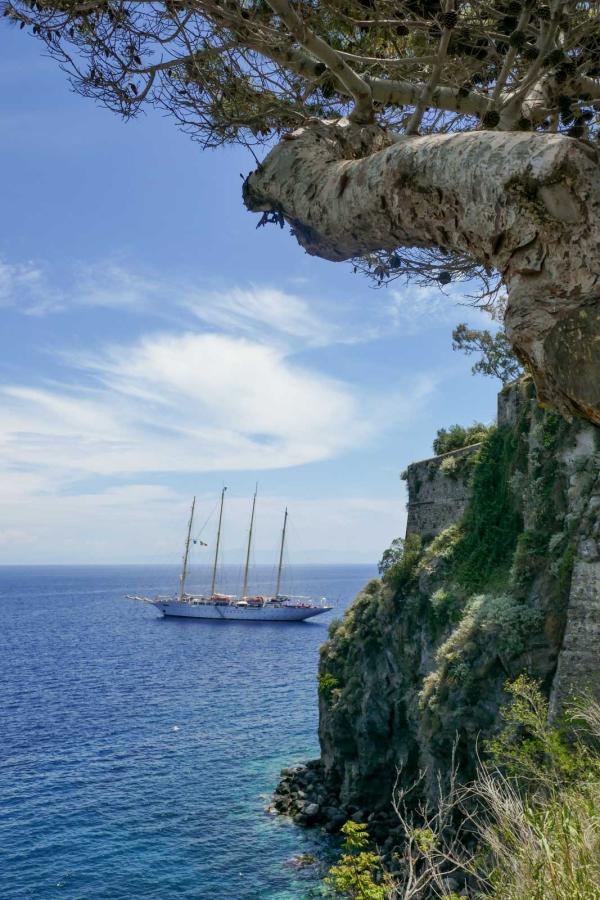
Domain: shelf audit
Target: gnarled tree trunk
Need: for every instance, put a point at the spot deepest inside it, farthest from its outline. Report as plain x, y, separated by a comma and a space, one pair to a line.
526, 204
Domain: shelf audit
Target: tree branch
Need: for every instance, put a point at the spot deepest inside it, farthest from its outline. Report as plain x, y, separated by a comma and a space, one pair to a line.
526, 204
427, 92
357, 87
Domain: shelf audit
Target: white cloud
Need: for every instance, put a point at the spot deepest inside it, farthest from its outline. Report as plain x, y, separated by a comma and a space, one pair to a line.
25, 286
192, 402
186, 403
414, 310
231, 396
32, 287
113, 286
15, 536
257, 311
254, 309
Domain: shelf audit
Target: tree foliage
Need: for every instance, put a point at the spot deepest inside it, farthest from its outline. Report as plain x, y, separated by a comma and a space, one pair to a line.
457, 436
239, 70
398, 565
247, 70
532, 751
354, 876
497, 357
391, 556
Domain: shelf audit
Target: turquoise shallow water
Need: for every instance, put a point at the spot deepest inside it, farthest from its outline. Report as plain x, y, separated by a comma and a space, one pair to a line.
137, 753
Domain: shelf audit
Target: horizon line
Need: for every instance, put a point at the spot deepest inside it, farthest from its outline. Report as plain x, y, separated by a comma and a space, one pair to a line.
31, 565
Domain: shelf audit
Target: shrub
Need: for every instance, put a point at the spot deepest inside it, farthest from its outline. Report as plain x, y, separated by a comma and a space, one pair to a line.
443, 545
328, 685
534, 752
445, 608
333, 627
490, 625
530, 550
508, 620
400, 566
543, 831
372, 587
450, 467
457, 436
359, 872
528, 827
564, 569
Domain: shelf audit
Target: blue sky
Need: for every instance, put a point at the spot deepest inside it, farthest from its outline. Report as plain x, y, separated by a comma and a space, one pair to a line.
154, 345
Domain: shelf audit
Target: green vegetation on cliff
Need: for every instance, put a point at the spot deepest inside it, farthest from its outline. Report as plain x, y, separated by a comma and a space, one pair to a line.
540, 828
533, 814
358, 874
399, 563
422, 655
456, 437
493, 520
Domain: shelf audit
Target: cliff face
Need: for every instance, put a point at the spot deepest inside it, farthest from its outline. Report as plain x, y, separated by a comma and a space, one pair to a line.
500, 575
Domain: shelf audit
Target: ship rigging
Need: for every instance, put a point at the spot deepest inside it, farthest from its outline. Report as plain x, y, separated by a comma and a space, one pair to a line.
275, 608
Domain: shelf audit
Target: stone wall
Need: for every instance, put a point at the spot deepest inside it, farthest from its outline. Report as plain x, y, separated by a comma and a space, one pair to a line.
438, 487
438, 491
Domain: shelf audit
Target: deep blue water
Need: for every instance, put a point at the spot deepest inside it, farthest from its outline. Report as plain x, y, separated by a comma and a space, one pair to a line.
137, 753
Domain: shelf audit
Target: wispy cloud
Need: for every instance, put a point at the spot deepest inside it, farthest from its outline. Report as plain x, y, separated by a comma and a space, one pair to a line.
219, 388
27, 287
34, 288
256, 309
188, 402
259, 312
413, 310
113, 285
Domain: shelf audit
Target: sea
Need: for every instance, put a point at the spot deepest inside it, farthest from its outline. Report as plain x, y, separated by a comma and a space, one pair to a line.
138, 754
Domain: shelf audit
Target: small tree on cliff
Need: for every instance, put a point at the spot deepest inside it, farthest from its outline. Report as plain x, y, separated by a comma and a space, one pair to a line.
416, 137
457, 436
496, 357
359, 873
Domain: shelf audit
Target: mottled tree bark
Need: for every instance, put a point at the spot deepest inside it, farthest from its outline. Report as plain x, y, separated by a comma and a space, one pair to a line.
526, 204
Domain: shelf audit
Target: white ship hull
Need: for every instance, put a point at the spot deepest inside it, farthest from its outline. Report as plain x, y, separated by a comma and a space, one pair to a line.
239, 613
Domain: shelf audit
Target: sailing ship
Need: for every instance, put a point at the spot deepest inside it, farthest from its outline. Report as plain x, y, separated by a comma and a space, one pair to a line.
255, 608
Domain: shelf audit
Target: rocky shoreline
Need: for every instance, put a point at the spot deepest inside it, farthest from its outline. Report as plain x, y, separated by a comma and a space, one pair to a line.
304, 796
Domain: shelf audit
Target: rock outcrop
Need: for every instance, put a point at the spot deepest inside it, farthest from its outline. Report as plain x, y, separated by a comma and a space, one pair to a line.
416, 669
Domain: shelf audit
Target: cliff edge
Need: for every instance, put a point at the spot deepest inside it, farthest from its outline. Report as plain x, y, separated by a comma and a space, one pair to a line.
499, 574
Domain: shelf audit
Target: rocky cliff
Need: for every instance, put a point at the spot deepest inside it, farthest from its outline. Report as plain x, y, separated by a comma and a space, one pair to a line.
500, 574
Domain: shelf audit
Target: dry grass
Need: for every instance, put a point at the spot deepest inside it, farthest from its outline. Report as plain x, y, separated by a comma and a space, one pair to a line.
528, 826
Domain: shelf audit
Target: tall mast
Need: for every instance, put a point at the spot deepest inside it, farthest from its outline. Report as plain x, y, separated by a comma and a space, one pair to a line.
186, 554
245, 588
214, 574
281, 553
